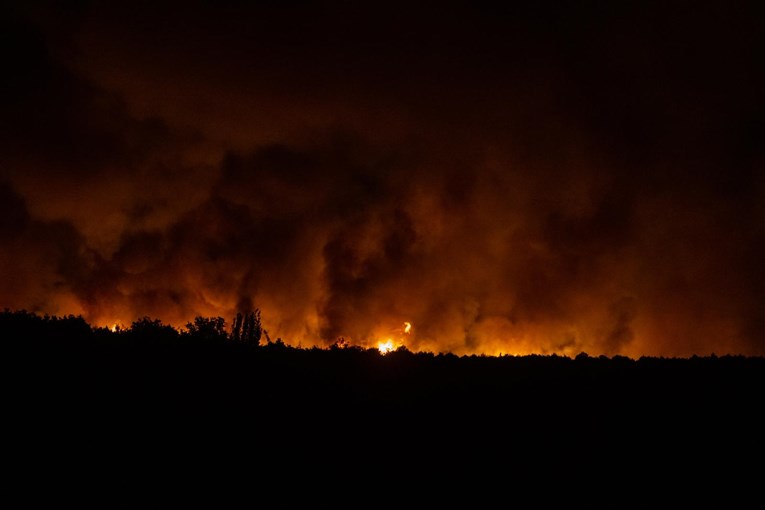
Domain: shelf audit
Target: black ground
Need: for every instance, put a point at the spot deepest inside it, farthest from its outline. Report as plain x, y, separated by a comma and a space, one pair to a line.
153, 407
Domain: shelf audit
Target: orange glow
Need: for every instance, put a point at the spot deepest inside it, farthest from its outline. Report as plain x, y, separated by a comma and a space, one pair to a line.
391, 344
339, 207
386, 346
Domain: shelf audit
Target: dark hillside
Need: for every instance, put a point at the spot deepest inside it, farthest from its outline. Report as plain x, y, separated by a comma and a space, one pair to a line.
165, 402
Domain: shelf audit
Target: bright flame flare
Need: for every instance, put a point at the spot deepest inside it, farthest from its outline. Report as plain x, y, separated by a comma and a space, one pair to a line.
389, 345
385, 347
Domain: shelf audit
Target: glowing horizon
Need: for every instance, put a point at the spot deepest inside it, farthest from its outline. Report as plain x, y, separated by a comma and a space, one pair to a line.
472, 186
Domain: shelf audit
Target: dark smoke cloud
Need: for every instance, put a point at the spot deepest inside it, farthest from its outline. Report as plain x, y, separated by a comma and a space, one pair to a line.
40, 262
521, 178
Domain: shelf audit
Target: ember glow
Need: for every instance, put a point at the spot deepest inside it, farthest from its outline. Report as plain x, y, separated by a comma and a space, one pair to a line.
546, 179
386, 346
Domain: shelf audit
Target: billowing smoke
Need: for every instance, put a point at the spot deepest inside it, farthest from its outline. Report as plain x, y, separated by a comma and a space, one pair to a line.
507, 182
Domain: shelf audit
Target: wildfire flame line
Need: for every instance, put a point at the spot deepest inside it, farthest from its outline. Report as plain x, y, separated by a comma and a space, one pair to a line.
388, 345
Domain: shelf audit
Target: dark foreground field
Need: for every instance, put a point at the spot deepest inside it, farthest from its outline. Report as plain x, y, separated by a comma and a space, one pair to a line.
151, 406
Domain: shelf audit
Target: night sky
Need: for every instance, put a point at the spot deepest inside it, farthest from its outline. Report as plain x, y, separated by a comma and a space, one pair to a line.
541, 177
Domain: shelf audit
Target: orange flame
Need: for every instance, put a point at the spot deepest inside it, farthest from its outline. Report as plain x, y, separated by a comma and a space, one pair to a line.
386, 346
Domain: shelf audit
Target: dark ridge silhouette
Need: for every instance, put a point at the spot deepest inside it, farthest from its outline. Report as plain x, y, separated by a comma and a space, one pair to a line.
202, 401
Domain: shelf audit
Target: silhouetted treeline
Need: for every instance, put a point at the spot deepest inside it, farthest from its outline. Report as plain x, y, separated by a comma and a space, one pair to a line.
206, 392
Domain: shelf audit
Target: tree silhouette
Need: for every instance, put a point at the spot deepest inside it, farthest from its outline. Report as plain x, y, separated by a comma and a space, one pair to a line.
207, 328
152, 330
248, 327
236, 332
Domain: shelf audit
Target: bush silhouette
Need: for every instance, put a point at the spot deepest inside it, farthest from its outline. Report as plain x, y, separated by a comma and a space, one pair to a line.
207, 329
